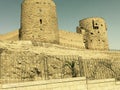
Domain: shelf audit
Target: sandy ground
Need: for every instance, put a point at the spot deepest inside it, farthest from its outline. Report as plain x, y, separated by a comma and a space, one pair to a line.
10, 36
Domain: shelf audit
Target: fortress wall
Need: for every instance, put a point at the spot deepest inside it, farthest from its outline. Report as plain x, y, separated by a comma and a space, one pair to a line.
102, 68
71, 39
17, 56
114, 55
25, 63
17, 66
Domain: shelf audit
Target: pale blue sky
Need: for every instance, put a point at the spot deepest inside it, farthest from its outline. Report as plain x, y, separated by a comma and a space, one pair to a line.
69, 13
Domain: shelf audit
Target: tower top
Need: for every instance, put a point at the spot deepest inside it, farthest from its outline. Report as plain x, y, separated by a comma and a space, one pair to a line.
50, 2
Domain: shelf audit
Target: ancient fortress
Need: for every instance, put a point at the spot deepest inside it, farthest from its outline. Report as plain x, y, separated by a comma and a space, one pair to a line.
39, 23
39, 56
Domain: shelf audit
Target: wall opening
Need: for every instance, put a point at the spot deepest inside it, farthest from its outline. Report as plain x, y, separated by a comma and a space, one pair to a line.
95, 25
40, 21
91, 33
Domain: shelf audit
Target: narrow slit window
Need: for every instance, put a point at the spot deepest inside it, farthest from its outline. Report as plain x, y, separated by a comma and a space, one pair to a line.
40, 21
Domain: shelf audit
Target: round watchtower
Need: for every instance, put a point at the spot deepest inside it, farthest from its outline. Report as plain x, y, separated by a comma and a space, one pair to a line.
95, 36
39, 21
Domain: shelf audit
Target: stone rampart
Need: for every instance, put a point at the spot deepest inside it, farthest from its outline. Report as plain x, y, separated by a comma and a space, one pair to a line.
29, 57
70, 39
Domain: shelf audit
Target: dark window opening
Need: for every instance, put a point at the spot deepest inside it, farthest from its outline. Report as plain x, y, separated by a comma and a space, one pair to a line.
95, 26
40, 21
91, 40
98, 40
98, 32
41, 29
91, 33
81, 27
101, 25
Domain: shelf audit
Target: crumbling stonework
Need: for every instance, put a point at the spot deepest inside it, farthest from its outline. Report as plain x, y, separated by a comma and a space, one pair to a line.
39, 21
95, 33
22, 63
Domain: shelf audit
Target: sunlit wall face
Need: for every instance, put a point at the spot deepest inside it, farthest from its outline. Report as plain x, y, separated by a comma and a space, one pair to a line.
69, 13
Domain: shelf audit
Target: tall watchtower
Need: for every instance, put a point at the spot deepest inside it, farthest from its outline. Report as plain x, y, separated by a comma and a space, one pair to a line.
95, 33
39, 21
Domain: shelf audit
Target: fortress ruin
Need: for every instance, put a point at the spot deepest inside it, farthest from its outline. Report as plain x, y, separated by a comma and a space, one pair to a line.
39, 23
39, 51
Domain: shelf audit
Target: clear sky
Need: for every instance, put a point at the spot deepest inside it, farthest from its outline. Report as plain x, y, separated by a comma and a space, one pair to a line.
69, 13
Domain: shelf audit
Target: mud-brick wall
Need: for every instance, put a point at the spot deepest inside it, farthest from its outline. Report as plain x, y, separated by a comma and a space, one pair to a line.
71, 39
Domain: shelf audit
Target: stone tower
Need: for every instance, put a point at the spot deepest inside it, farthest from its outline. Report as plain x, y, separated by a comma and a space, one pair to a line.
95, 33
39, 21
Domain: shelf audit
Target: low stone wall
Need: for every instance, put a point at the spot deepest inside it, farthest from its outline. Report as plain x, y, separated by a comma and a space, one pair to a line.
103, 84
117, 86
58, 84
79, 83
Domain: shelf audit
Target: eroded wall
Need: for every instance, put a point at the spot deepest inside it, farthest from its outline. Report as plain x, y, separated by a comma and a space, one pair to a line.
71, 39
95, 33
18, 61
